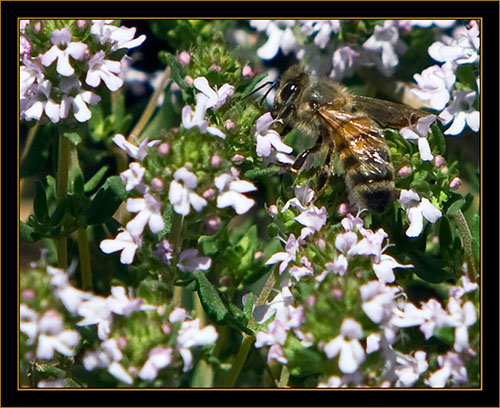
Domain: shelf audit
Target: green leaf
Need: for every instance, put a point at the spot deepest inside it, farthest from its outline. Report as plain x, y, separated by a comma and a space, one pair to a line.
40, 208
176, 71
106, 201
445, 235
27, 233
248, 307
476, 235
455, 207
94, 181
213, 304
438, 138
73, 137
259, 172
210, 299
429, 268
78, 181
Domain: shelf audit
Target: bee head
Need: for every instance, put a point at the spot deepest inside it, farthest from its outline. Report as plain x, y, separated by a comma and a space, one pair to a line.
289, 88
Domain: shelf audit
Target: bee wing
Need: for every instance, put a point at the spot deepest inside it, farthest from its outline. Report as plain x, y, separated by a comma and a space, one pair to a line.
389, 114
362, 137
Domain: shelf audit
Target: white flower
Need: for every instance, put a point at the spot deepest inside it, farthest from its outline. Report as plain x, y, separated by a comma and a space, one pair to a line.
158, 358
124, 242
383, 268
378, 300
28, 322
105, 70
434, 85
37, 101
149, 212
52, 337
268, 139
71, 297
303, 197
277, 307
461, 317
108, 356
461, 111
119, 37
428, 318
451, 367
419, 132
386, 45
322, 28
313, 218
408, 368
132, 178
280, 35
62, 49
417, 209
182, 196
344, 62
190, 335
136, 152
77, 98
191, 119
461, 49
119, 303
214, 98
348, 346
231, 190
189, 261
298, 272
286, 257
96, 311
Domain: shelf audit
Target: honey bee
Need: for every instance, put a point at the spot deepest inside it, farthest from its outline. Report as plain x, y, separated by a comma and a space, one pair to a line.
347, 124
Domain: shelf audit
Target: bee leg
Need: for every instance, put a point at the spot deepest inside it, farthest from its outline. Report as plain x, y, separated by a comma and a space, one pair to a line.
302, 157
326, 170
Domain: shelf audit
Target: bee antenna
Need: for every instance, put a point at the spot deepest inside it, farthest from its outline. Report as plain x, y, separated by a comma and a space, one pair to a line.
259, 88
274, 85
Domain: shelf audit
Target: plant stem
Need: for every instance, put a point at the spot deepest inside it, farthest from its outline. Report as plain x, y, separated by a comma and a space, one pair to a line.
150, 108
83, 250
62, 191
247, 340
285, 374
466, 236
239, 361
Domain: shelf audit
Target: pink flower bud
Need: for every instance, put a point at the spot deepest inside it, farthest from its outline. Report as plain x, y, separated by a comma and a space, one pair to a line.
438, 161
273, 209
212, 225
229, 124
404, 171
343, 208
188, 80
184, 58
258, 255
163, 149
247, 71
455, 183
208, 193
157, 184
238, 158
215, 161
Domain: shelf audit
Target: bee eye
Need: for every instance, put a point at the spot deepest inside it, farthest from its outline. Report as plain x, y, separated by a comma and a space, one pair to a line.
289, 90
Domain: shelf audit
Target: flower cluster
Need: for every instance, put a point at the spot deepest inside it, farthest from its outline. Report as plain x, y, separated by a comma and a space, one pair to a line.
458, 52
46, 334
205, 238
294, 318
62, 66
